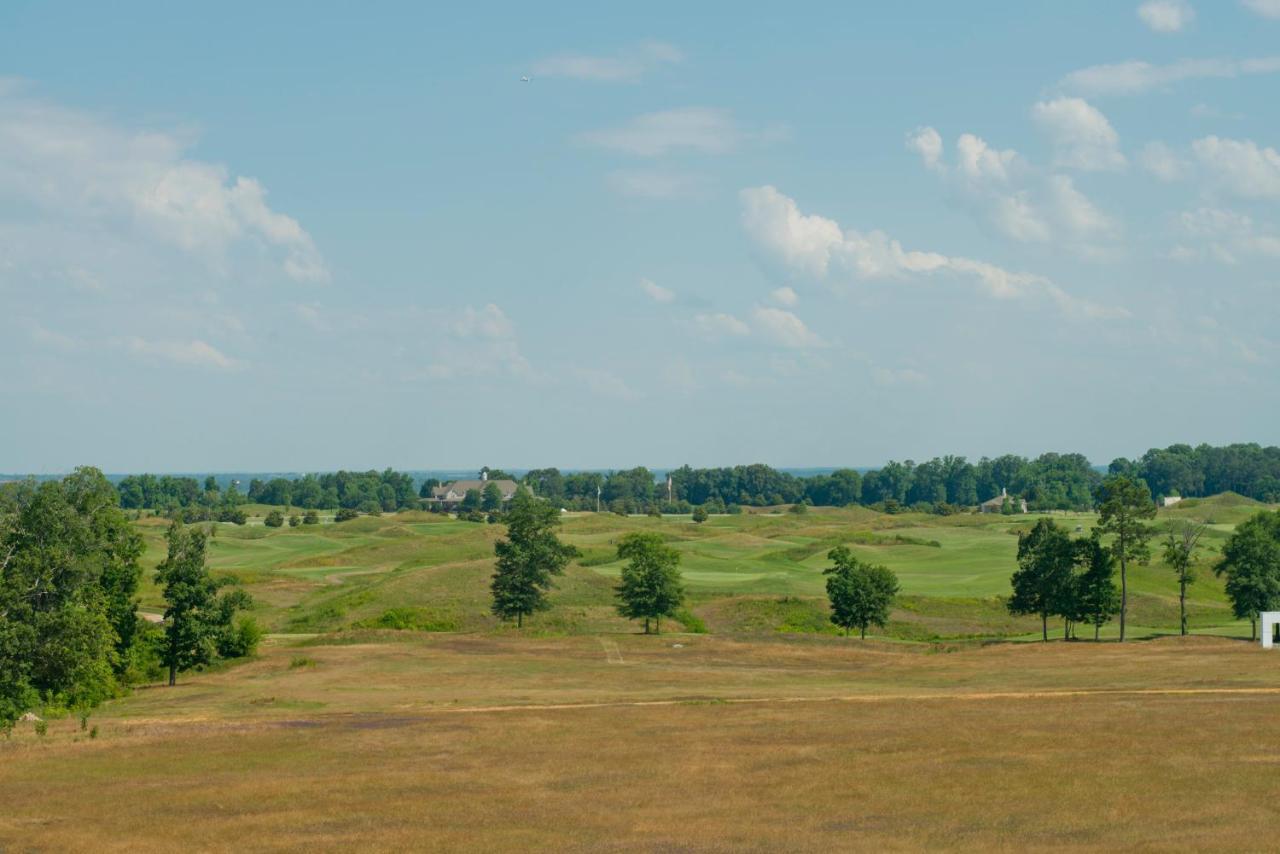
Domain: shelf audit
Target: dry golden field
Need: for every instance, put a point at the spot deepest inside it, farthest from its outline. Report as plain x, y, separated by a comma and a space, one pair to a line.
496, 742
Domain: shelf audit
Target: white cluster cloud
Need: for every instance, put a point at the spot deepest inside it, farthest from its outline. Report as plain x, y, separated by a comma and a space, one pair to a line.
194, 352
1019, 201
1241, 167
1225, 236
627, 65
720, 324
1162, 161
701, 130
477, 342
1081, 135
78, 168
656, 292
817, 246
1135, 77
784, 328
1166, 16
785, 295
1265, 8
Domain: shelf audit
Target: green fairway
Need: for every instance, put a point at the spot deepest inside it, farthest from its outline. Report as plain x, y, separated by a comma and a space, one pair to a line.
752, 572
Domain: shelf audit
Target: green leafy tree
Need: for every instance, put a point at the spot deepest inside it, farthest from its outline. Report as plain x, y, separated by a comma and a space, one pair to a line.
1096, 599
1042, 583
491, 497
699, 514
650, 587
311, 517
861, 594
346, 514
1180, 554
196, 617
470, 501
1251, 563
275, 519
1123, 505
529, 558
294, 520
68, 574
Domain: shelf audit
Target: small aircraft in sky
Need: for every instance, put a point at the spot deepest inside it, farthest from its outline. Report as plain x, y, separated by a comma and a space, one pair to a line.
525, 78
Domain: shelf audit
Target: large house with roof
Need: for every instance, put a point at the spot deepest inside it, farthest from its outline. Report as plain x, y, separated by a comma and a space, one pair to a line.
451, 494
996, 505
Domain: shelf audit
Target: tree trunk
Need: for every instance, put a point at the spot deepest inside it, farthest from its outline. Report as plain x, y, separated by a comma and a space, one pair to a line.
173, 674
1044, 627
1097, 627
519, 619
646, 625
1182, 605
864, 632
1253, 629
657, 625
1124, 591
1066, 630
846, 631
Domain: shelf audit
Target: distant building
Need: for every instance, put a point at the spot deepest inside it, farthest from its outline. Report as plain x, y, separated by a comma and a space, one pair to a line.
1170, 500
451, 494
996, 505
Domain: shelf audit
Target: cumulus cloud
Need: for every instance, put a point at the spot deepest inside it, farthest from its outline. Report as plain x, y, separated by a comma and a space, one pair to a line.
819, 247
656, 292
625, 66
1166, 16
1081, 135
476, 342
193, 353
1162, 161
1135, 77
699, 130
784, 328
785, 295
1265, 8
1019, 201
926, 142
720, 324
1241, 167
1225, 236
140, 184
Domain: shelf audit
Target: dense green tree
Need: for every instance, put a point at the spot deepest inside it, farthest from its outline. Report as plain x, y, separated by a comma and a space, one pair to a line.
274, 519
345, 514
861, 594
1123, 505
529, 558
650, 587
196, 617
311, 517
428, 486
1096, 599
1180, 544
1251, 563
68, 574
470, 501
1042, 583
491, 497
700, 514
294, 520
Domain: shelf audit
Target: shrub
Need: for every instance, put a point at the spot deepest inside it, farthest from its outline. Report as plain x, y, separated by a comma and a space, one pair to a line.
42, 728
294, 521
692, 622
301, 661
232, 514
275, 519
799, 509
346, 513
241, 639
311, 517
699, 514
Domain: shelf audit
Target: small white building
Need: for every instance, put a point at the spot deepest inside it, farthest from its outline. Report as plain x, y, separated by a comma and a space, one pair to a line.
1270, 633
1170, 500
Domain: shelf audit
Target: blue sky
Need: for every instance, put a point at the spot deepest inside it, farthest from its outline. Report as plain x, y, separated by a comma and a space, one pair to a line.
297, 236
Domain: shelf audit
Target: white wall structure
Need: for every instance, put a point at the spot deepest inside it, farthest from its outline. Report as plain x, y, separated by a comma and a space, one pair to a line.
1269, 620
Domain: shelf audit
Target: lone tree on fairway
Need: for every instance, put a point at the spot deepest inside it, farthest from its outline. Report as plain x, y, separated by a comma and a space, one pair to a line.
196, 618
861, 594
699, 514
1251, 563
1123, 503
528, 558
1096, 599
1180, 553
650, 587
491, 497
1042, 583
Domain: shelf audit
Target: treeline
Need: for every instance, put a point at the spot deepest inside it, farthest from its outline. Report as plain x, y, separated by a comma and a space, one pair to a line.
1051, 481
70, 634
